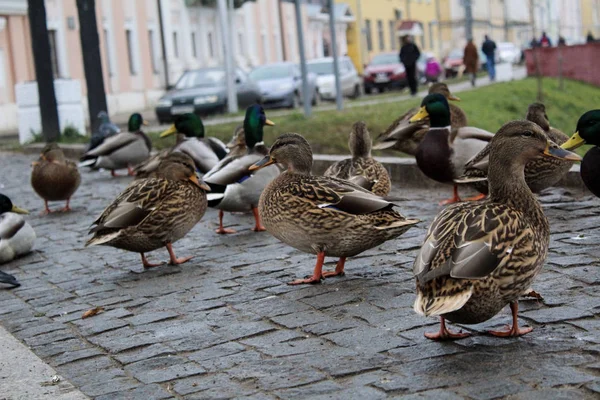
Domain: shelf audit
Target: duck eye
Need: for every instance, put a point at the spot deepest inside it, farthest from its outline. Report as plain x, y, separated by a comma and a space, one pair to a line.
527, 133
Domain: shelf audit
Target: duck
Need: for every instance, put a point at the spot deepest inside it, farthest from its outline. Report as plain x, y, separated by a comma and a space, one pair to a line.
444, 151
588, 131
404, 136
205, 151
540, 173
16, 235
362, 169
8, 279
478, 257
54, 178
123, 150
322, 215
233, 187
154, 212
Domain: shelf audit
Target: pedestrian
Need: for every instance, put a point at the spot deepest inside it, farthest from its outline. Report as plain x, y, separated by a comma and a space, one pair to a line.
409, 54
433, 69
489, 49
561, 41
590, 37
471, 60
545, 40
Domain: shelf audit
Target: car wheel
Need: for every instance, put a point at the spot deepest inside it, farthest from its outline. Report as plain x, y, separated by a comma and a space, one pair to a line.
316, 98
356, 94
368, 90
295, 101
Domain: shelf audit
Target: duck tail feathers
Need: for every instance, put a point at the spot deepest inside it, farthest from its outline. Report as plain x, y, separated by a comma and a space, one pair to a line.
102, 239
440, 305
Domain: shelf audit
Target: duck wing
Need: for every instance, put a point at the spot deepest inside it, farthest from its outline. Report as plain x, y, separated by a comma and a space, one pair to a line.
9, 279
112, 144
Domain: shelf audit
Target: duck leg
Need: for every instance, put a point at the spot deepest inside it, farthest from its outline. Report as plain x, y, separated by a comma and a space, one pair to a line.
46, 208
258, 227
221, 230
174, 260
480, 196
453, 199
317, 274
514, 331
66, 207
130, 170
113, 173
148, 264
445, 334
339, 269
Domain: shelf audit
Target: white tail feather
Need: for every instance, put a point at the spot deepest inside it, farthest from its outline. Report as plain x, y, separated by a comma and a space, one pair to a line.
441, 305
102, 239
87, 163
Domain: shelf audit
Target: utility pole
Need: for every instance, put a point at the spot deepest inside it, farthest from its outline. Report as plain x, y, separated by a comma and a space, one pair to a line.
468, 19
163, 45
232, 105
438, 16
361, 36
306, 96
282, 31
43, 70
336, 64
506, 19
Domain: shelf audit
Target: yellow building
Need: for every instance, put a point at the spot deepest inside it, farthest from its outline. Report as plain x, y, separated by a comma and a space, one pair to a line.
383, 21
590, 15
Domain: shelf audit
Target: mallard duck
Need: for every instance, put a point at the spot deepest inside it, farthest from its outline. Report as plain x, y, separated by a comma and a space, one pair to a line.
16, 235
120, 151
233, 187
322, 215
53, 177
154, 212
205, 151
444, 151
479, 257
588, 131
362, 169
405, 136
540, 173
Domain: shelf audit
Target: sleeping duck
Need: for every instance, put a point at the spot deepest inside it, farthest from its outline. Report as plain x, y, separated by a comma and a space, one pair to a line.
16, 235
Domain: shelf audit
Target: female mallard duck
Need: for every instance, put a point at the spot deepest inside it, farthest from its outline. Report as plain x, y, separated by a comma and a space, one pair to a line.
540, 173
123, 150
588, 131
233, 186
205, 151
479, 257
322, 215
444, 151
154, 212
16, 235
362, 169
54, 178
405, 137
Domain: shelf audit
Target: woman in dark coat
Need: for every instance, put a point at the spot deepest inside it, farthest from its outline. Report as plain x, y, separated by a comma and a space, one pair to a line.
471, 60
409, 54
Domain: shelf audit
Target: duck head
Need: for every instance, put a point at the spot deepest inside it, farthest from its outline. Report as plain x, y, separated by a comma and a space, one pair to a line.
52, 153
178, 166
359, 142
135, 122
7, 206
435, 107
254, 122
189, 125
442, 88
536, 113
588, 131
290, 150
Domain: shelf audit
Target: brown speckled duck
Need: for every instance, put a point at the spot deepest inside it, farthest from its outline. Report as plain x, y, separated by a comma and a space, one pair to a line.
322, 215
154, 212
362, 169
53, 177
479, 257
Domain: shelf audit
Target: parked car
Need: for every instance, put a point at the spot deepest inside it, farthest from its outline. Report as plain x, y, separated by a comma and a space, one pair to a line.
454, 62
508, 52
349, 78
204, 91
385, 71
281, 85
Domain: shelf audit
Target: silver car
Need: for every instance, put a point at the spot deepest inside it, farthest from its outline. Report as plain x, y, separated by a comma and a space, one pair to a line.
281, 85
350, 81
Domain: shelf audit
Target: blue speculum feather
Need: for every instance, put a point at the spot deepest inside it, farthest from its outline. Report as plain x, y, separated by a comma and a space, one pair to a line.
244, 178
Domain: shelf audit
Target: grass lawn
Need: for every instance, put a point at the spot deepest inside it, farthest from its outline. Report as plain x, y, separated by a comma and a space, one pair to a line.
488, 107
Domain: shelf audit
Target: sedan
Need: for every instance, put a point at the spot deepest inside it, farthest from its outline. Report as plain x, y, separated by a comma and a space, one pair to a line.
384, 72
281, 85
349, 79
204, 91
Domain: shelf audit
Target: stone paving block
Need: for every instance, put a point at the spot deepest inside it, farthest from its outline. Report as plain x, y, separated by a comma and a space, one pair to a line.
554, 394
48, 338
146, 392
211, 386
114, 385
163, 369
359, 393
224, 363
497, 388
554, 314
300, 319
96, 325
272, 375
76, 355
331, 326
146, 318
87, 367
53, 349
123, 339
310, 391
222, 350
436, 394
368, 339
557, 376
143, 353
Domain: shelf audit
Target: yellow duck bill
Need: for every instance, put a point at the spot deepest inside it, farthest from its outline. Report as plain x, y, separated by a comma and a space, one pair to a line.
559, 152
18, 210
453, 98
269, 122
171, 131
421, 115
267, 160
574, 142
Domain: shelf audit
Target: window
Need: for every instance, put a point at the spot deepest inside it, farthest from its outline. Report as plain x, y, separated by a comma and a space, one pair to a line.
152, 46
2, 70
393, 40
368, 33
129, 40
211, 49
194, 49
107, 50
175, 45
53, 54
380, 34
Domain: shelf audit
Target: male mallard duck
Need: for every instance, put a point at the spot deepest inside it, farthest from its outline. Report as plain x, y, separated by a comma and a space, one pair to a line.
54, 178
444, 151
123, 150
405, 137
362, 169
154, 212
540, 173
205, 151
16, 235
233, 186
322, 215
479, 257
588, 131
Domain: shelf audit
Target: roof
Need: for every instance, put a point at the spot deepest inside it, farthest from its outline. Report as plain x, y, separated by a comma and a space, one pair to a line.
408, 27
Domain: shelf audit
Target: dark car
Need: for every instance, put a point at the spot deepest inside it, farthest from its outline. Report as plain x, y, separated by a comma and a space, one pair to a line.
281, 85
384, 72
204, 91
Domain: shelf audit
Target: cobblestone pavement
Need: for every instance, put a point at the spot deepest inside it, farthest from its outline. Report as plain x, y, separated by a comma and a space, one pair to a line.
225, 325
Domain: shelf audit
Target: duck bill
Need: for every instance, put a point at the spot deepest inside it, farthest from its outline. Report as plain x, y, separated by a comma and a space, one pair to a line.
19, 210
269, 122
171, 131
559, 152
145, 123
574, 142
420, 116
201, 185
262, 163
453, 98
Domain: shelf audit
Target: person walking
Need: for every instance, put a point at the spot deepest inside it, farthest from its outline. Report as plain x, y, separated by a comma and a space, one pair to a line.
409, 54
471, 60
489, 49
